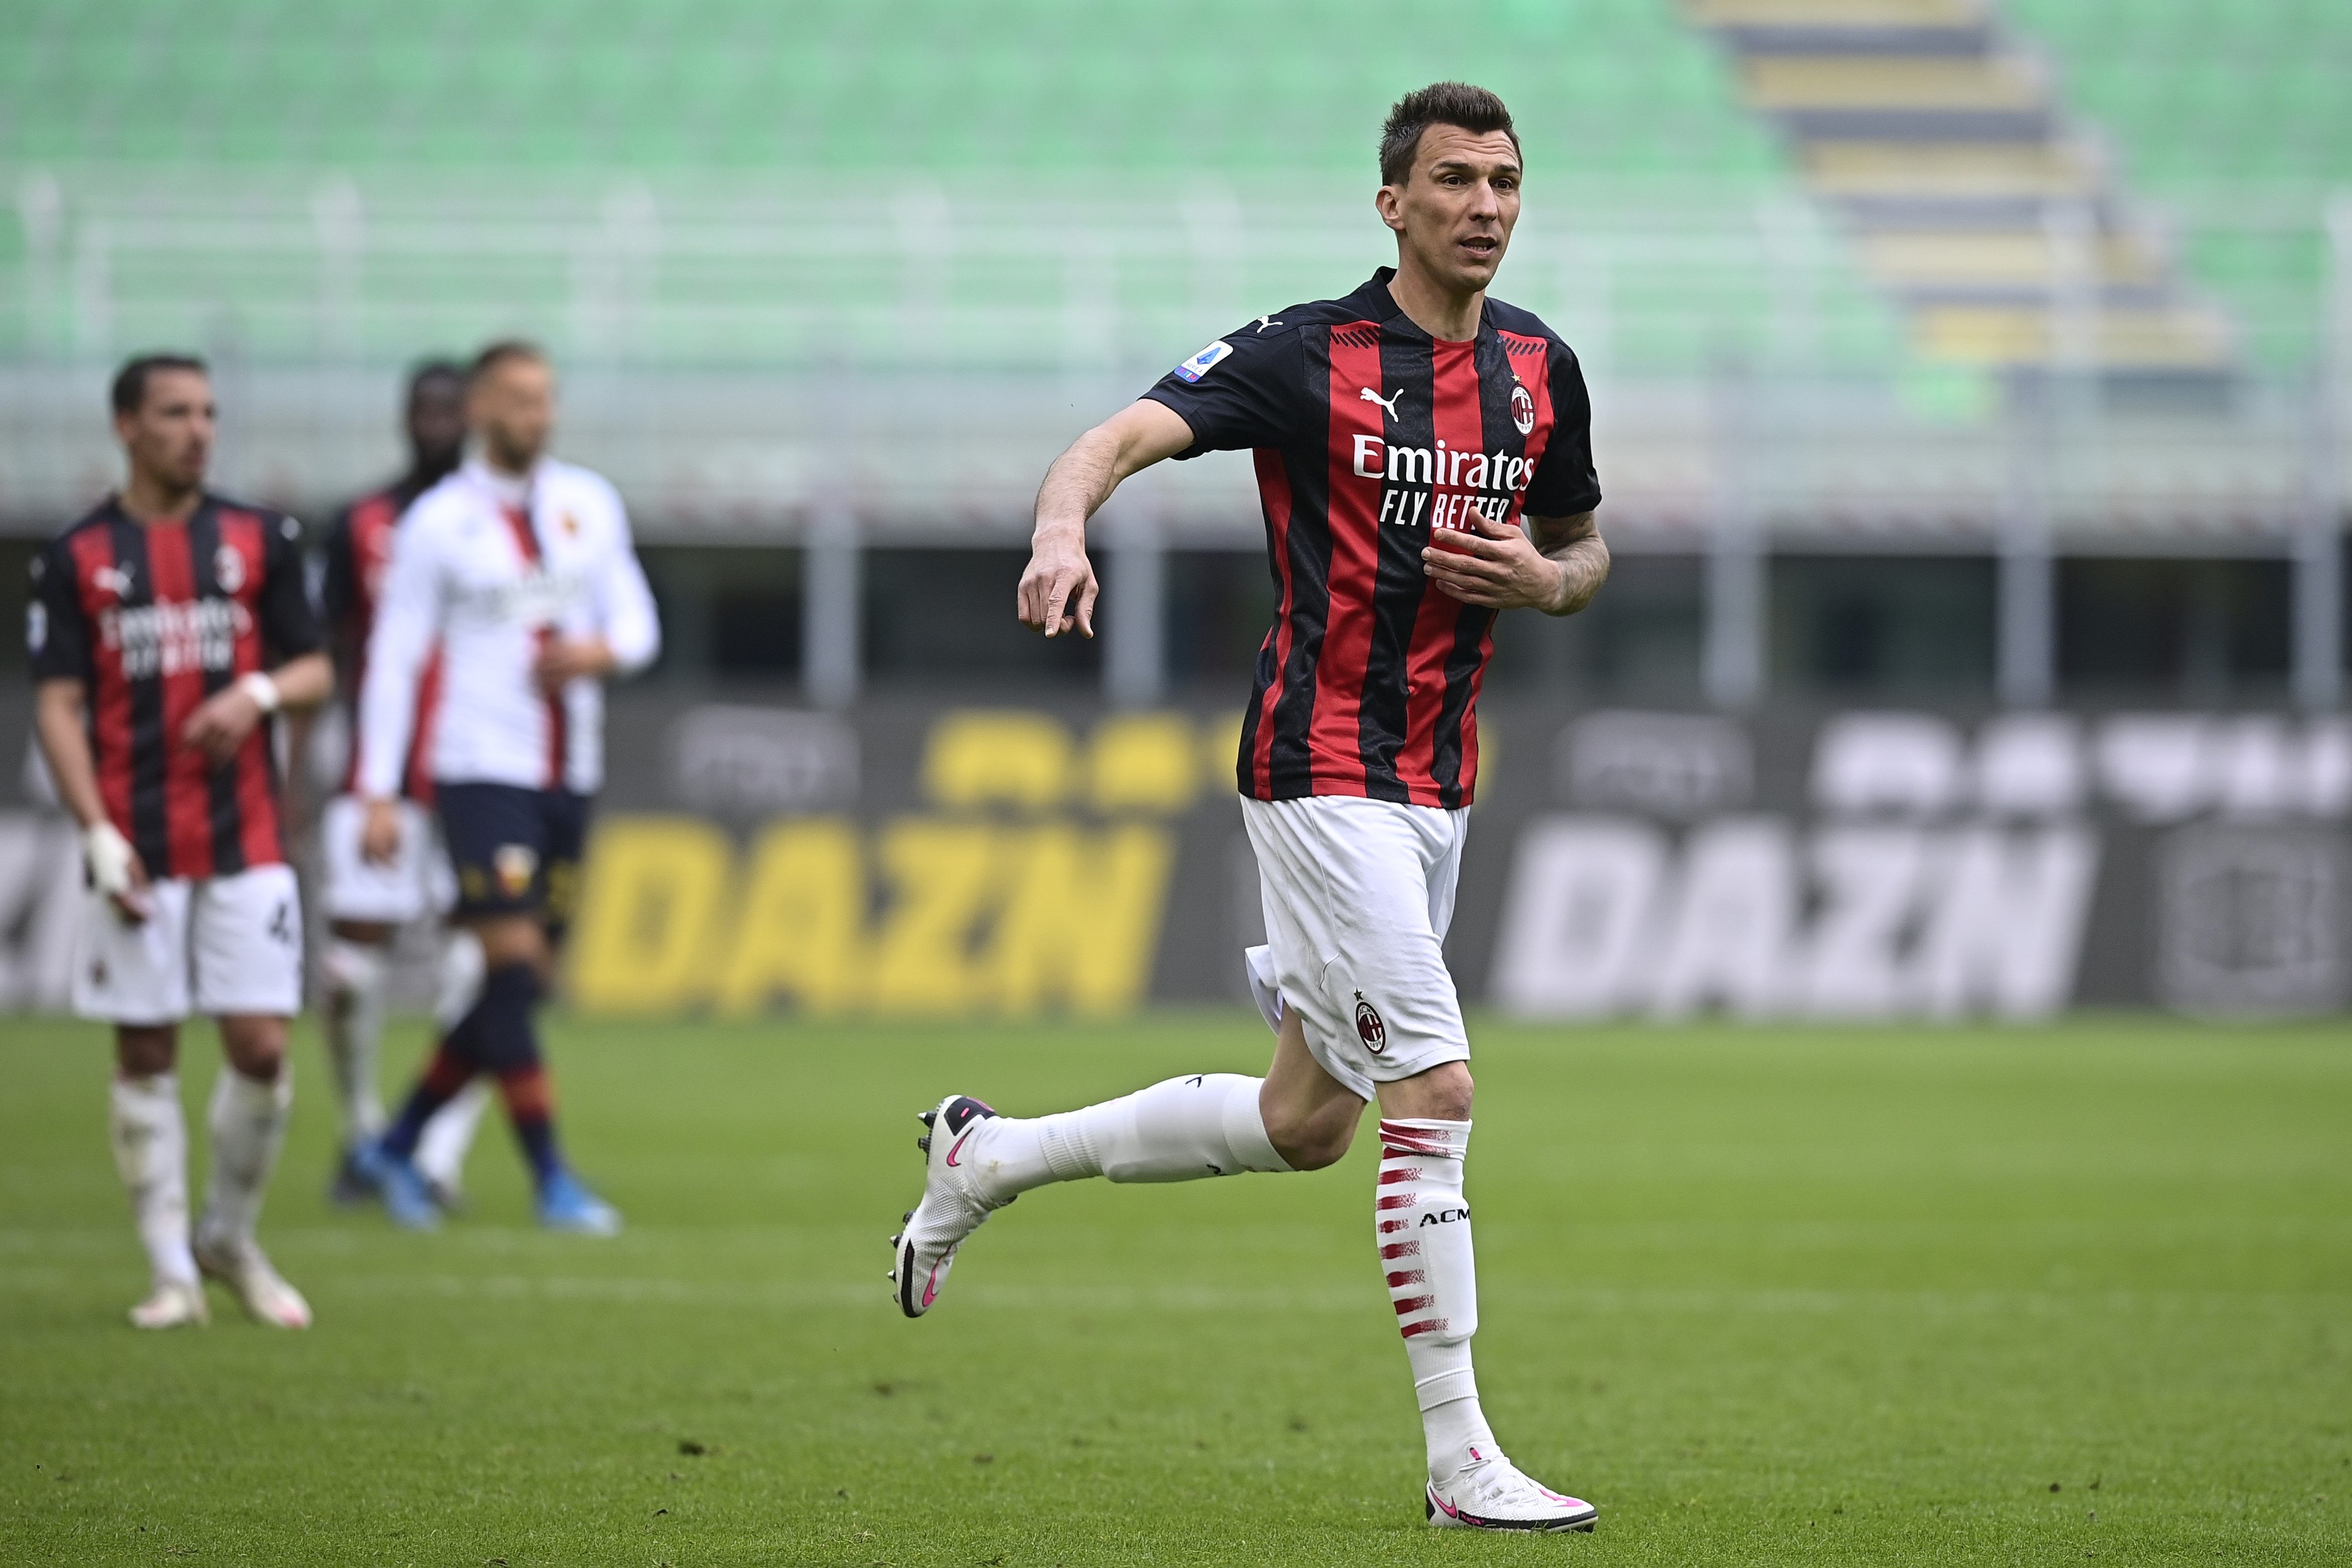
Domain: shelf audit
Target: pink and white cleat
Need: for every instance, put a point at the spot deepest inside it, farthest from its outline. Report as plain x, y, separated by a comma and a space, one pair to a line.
1492, 1494
241, 1265
953, 1206
173, 1303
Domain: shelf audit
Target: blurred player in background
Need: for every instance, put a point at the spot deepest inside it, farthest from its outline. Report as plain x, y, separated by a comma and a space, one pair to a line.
1401, 434
166, 627
367, 902
519, 569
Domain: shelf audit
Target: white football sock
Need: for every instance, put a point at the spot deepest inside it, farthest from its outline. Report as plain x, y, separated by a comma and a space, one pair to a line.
352, 1020
448, 1136
1423, 1226
457, 980
1187, 1128
247, 1125
150, 1136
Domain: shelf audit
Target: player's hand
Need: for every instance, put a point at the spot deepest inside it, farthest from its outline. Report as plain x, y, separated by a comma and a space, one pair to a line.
1497, 566
220, 726
380, 834
566, 659
1057, 573
116, 870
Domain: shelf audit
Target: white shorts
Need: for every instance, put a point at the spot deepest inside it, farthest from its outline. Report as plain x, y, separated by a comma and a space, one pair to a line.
1358, 895
235, 940
416, 883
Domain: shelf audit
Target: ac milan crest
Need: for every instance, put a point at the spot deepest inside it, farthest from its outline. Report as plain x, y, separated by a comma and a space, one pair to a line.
1369, 1027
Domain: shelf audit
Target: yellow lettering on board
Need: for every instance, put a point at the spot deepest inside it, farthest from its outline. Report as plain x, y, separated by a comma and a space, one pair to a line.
799, 930
652, 893
942, 877
988, 756
1144, 762
1081, 922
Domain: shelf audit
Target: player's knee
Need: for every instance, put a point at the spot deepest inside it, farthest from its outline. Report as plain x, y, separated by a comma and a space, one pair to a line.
142, 1051
1314, 1140
510, 939
255, 1045
1443, 1094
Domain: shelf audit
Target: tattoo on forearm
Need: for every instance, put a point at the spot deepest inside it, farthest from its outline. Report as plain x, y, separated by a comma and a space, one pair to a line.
1576, 544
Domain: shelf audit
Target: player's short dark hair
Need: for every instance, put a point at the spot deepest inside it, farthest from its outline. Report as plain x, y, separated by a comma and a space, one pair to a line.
437, 370
1459, 103
503, 351
129, 392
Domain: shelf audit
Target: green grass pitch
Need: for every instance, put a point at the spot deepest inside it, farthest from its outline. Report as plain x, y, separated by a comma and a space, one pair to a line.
1925, 1296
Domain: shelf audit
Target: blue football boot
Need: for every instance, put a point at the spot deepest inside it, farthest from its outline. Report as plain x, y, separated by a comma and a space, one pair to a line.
564, 1204
406, 1196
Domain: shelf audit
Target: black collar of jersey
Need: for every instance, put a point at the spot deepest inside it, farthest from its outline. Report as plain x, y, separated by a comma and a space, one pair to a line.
112, 510
1375, 302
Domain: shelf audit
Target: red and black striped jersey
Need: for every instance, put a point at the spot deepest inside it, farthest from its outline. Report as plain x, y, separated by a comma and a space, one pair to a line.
152, 618
358, 553
1370, 435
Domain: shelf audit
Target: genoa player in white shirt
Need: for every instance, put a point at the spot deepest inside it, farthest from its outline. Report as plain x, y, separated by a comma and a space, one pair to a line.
1401, 434
519, 569
166, 627
366, 903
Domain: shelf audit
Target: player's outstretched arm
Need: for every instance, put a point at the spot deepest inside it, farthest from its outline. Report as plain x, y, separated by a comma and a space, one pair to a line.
1057, 591
1556, 566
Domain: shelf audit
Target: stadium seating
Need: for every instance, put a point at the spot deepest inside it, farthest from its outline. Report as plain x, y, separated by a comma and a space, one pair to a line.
1231, 88
1624, 98
2235, 115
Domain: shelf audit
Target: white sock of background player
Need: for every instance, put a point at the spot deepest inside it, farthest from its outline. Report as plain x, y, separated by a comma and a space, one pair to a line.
356, 974
149, 1135
449, 1136
248, 1128
1182, 1129
1423, 1224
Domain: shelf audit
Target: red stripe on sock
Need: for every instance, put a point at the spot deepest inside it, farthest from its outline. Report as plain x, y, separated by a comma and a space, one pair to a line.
1393, 1173
1401, 1249
1389, 1225
529, 1096
1414, 1304
1397, 1201
1426, 1326
1408, 1277
445, 1074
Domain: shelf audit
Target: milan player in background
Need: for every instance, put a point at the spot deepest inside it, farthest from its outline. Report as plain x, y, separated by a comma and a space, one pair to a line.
1402, 435
519, 569
167, 627
366, 903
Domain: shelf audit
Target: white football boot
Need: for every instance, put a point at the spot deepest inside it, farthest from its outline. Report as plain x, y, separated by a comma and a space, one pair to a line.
173, 1303
244, 1268
953, 1207
1492, 1494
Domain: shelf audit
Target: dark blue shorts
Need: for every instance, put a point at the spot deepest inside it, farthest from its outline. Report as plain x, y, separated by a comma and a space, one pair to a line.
515, 850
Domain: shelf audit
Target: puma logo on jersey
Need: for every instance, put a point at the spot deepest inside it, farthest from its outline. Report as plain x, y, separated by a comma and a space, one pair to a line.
112, 579
1266, 321
1388, 402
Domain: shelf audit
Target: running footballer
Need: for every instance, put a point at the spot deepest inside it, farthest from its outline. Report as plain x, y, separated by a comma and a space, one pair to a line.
1423, 458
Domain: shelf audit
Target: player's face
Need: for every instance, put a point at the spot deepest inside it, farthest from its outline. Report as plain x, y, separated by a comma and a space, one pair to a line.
1454, 212
512, 409
437, 421
169, 438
